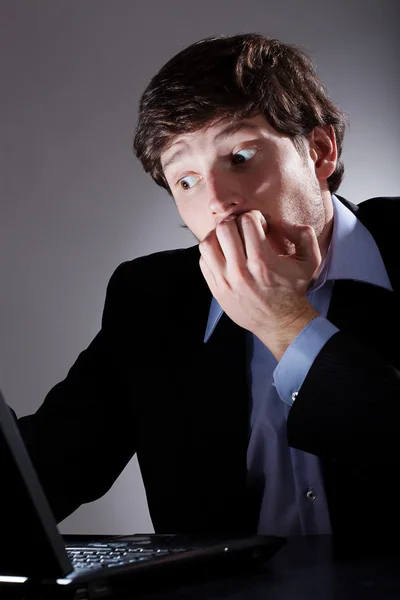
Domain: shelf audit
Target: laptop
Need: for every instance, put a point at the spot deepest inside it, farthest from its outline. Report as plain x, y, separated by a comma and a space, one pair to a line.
35, 556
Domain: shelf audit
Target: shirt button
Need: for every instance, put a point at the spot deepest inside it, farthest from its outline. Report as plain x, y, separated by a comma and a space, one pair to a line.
294, 396
311, 495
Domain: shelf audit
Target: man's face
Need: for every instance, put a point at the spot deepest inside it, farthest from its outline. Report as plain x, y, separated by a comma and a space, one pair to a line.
234, 167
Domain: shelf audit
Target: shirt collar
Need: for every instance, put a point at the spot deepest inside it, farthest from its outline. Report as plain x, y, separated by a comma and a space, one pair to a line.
352, 254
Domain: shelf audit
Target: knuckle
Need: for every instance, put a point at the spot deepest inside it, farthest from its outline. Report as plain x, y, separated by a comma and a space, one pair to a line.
223, 226
308, 229
244, 219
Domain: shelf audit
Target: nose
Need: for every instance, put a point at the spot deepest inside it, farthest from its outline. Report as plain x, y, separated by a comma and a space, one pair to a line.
224, 197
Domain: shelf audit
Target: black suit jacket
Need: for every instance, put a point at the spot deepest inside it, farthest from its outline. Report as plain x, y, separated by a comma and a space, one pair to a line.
148, 384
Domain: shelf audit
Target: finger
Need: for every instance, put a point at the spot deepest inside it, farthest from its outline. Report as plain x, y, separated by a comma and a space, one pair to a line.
212, 254
231, 242
262, 220
253, 229
305, 241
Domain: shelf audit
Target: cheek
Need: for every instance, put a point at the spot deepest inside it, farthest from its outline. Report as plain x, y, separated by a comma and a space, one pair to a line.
267, 188
295, 171
287, 183
270, 177
185, 215
196, 218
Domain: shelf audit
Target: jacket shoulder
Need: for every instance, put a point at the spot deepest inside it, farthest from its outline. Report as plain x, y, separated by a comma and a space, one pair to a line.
380, 203
380, 215
153, 277
162, 264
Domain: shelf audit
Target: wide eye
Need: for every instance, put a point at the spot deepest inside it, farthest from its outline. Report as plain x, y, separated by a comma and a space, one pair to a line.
243, 155
186, 183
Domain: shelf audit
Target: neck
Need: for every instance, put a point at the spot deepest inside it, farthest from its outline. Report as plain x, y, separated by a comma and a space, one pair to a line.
326, 235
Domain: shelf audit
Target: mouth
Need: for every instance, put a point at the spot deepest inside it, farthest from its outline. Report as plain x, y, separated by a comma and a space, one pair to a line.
232, 214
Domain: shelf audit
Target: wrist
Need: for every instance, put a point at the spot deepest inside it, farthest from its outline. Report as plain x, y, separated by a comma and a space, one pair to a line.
279, 338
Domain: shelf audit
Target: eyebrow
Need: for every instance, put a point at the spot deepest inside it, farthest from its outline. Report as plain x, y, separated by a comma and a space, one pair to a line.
229, 130
176, 156
233, 128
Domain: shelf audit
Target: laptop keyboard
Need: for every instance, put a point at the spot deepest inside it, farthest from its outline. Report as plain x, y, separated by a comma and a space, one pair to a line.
114, 554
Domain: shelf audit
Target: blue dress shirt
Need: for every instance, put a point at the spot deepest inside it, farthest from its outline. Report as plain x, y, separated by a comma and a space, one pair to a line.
287, 481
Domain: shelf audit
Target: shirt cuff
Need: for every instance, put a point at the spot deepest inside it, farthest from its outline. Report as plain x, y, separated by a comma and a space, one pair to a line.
294, 365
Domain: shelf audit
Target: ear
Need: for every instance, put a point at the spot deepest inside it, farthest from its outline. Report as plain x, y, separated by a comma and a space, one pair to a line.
323, 151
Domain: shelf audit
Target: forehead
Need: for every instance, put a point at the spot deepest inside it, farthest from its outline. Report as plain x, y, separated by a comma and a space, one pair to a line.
215, 134
224, 128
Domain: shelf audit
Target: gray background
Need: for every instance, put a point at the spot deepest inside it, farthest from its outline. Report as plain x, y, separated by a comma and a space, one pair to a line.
74, 201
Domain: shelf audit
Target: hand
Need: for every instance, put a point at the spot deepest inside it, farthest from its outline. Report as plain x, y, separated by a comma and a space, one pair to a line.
260, 290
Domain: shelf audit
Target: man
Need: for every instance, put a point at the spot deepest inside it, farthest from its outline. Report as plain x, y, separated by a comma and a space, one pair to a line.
254, 374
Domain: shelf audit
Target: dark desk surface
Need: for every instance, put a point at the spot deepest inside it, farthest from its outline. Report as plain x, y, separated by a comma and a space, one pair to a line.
306, 568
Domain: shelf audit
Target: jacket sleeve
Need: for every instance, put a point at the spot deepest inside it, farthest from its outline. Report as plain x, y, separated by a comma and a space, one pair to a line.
83, 435
348, 408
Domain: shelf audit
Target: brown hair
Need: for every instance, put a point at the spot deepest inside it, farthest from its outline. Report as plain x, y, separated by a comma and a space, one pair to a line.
234, 76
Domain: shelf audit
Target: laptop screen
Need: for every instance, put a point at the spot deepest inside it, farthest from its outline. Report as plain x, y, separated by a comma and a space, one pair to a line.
30, 544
